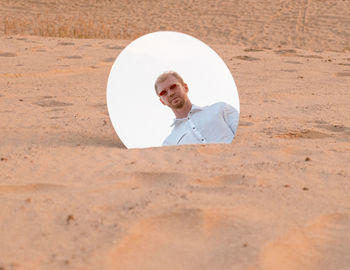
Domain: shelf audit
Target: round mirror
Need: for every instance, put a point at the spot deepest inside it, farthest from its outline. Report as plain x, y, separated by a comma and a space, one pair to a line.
137, 112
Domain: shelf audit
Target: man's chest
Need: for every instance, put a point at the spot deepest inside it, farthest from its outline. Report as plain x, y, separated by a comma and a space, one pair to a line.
197, 128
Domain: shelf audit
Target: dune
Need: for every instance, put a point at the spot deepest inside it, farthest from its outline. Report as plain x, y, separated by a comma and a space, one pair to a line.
73, 197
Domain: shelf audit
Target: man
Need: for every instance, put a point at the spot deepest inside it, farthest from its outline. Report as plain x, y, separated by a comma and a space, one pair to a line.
216, 123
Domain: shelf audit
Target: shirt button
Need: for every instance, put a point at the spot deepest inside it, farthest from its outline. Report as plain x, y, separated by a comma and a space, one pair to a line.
188, 118
202, 140
194, 128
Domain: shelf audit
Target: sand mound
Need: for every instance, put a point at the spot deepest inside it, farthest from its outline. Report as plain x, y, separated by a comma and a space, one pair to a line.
324, 243
189, 238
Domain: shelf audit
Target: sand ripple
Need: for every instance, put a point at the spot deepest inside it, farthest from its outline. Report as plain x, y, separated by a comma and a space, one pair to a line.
318, 245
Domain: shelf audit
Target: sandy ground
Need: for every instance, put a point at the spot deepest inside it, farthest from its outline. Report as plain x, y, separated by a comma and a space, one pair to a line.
72, 196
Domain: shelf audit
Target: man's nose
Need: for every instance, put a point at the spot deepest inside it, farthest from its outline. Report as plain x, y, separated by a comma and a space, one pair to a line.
171, 92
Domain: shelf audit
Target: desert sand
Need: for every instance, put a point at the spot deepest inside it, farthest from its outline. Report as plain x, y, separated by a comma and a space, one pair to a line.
73, 197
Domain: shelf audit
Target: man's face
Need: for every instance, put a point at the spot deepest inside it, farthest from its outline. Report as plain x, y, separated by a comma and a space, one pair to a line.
172, 93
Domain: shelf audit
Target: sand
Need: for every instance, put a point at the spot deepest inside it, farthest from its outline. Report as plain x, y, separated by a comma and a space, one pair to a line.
73, 197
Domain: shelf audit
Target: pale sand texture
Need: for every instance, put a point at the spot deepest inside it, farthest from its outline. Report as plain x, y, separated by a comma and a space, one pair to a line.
72, 197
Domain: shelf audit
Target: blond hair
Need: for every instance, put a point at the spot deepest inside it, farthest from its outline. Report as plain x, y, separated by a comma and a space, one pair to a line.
162, 77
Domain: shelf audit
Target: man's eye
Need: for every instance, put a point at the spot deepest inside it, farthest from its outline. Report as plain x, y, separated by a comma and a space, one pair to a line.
162, 93
172, 87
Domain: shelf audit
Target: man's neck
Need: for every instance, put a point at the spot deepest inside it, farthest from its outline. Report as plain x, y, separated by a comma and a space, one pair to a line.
183, 112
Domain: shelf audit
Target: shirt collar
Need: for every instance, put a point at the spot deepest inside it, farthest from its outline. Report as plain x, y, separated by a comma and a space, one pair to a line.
194, 109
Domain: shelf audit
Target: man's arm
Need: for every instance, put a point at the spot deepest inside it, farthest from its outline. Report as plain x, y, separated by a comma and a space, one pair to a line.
231, 117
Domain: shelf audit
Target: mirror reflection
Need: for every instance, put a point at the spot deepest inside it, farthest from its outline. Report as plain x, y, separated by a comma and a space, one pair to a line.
153, 83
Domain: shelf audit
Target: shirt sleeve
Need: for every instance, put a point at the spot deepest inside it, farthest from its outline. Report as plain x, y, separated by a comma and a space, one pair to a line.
231, 117
166, 142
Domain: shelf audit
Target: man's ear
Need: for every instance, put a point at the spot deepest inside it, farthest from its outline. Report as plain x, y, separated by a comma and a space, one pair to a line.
161, 101
186, 87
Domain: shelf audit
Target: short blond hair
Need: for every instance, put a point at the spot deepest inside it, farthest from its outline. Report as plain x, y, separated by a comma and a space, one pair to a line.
162, 77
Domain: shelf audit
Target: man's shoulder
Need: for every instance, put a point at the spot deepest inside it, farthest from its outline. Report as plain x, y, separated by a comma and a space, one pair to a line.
221, 104
218, 106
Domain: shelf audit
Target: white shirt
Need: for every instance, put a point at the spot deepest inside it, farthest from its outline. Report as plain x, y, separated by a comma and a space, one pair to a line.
216, 123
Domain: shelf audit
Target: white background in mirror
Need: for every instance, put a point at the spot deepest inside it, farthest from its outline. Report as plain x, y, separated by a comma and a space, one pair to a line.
137, 115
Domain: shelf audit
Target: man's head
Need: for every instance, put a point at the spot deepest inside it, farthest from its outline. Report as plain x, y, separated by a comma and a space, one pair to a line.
172, 90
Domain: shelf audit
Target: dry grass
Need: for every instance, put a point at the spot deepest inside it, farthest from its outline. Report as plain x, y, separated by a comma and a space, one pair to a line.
255, 24
58, 26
